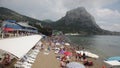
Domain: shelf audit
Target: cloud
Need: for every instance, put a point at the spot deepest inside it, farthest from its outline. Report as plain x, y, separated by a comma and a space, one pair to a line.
55, 9
51, 9
41, 9
107, 14
107, 19
89, 4
114, 27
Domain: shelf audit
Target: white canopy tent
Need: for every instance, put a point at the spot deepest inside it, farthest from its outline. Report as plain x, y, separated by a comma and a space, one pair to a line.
113, 63
19, 46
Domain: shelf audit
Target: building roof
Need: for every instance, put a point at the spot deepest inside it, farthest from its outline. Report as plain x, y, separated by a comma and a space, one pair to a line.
25, 24
7, 24
19, 26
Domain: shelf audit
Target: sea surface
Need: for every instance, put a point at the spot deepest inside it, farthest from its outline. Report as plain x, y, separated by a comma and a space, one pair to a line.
103, 45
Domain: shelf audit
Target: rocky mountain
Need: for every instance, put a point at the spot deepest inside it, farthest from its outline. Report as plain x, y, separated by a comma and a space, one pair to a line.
79, 21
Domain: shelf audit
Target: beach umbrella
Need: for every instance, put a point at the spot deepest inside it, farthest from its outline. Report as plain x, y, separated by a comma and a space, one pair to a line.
67, 53
75, 65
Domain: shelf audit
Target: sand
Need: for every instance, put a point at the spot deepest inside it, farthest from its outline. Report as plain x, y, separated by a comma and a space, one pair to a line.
46, 61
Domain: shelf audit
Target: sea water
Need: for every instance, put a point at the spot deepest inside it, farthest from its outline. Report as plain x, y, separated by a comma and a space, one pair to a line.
103, 45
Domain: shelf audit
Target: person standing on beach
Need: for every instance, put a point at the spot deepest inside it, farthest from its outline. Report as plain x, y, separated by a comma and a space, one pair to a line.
76, 56
42, 47
80, 56
84, 56
48, 48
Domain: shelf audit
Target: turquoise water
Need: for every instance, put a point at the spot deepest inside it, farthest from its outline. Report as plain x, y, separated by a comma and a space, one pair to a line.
104, 46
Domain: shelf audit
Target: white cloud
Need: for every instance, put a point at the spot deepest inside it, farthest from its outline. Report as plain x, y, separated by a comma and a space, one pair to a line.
114, 27
107, 19
107, 13
55, 9
51, 9
89, 4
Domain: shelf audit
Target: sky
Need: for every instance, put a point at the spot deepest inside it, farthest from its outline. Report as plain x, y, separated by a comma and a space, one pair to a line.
105, 12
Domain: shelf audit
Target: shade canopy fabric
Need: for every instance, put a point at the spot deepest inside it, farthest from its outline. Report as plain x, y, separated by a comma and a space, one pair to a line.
113, 63
113, 58
8, 29
75, 65
19, 46
67, 53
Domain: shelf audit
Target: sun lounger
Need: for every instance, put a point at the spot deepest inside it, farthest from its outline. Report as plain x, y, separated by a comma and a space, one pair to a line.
18, 65
36, 50
30, 60
32, 56
26, 64
23, 65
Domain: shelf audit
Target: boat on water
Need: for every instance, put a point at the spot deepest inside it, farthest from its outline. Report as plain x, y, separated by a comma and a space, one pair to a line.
89, 54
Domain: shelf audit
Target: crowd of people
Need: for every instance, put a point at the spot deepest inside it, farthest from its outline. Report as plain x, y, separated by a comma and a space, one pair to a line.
60, 50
